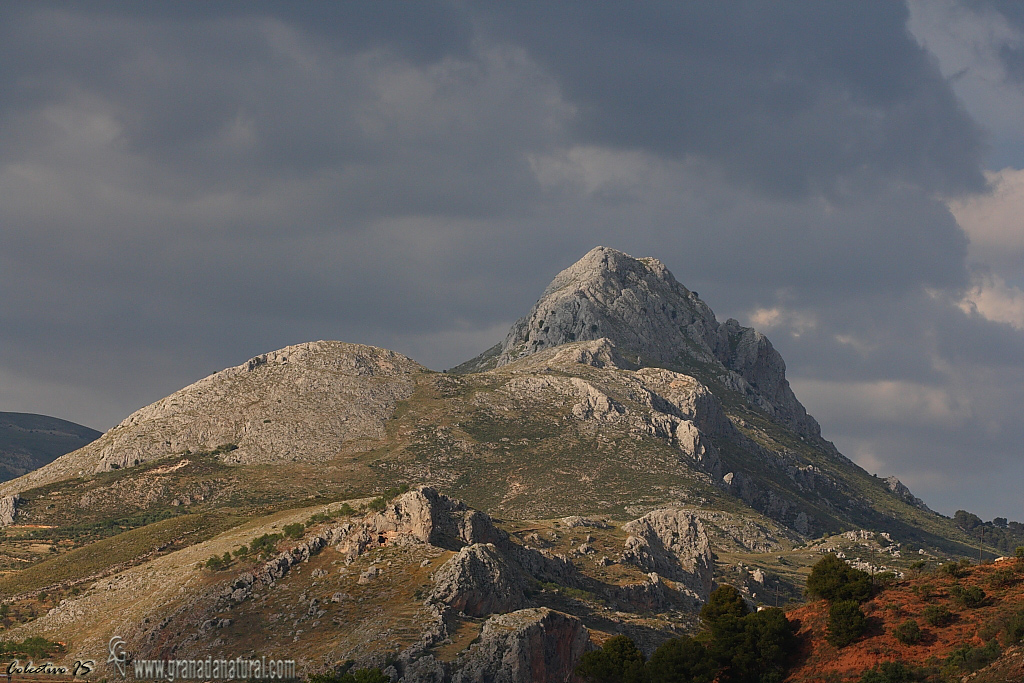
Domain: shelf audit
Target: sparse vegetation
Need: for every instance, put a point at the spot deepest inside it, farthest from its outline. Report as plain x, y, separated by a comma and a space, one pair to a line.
217, 563
1013, 631
36, 646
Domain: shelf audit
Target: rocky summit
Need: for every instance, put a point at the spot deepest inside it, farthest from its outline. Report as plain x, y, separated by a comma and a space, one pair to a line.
598, 472
652, 320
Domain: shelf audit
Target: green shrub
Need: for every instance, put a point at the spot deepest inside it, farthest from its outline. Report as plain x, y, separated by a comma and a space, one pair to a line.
888, 672
957, 570
834, 580
968, 658
938, 615
217, 563
265, 545
908, 632
346, 510
990, 629
1019, 554
242, 551
1013, 632
618, 661
924, 591
394, 492
318, 518
972, 596
294, 531
681, 659
377, 504
846, 623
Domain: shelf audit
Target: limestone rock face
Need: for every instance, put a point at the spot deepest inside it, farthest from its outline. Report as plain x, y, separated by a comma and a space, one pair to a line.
479, 581
674, 544
528, 646
8, 509
299, 403
901, 490
652, 320
423, 515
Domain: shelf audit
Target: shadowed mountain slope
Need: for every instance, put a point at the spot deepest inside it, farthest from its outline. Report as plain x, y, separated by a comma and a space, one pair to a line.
29, 441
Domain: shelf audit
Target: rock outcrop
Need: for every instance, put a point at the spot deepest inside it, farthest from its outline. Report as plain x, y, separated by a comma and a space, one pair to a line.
422, 516
904, 493
528, 646
9, 509
480, 581
652, 320
674, 544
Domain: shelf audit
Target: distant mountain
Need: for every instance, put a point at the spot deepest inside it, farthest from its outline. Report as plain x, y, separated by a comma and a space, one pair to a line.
29, 441
597, 472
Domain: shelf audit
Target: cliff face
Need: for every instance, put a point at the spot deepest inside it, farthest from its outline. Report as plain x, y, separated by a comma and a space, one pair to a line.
652, 320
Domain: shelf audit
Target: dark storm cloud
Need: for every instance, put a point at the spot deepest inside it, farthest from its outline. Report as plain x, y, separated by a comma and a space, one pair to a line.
795, 97
185, 185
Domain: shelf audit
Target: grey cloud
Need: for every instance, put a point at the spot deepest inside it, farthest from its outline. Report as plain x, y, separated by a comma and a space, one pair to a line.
797, 98
183, 186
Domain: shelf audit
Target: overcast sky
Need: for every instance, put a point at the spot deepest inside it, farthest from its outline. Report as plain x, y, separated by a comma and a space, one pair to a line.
186, 185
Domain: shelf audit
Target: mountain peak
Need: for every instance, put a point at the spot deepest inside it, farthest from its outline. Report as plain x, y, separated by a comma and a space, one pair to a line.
653, 320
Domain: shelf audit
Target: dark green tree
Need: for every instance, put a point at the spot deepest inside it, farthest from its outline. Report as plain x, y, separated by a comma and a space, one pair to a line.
721, 616
618, 661
846, 623
833, 579
766, 647
681, 660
